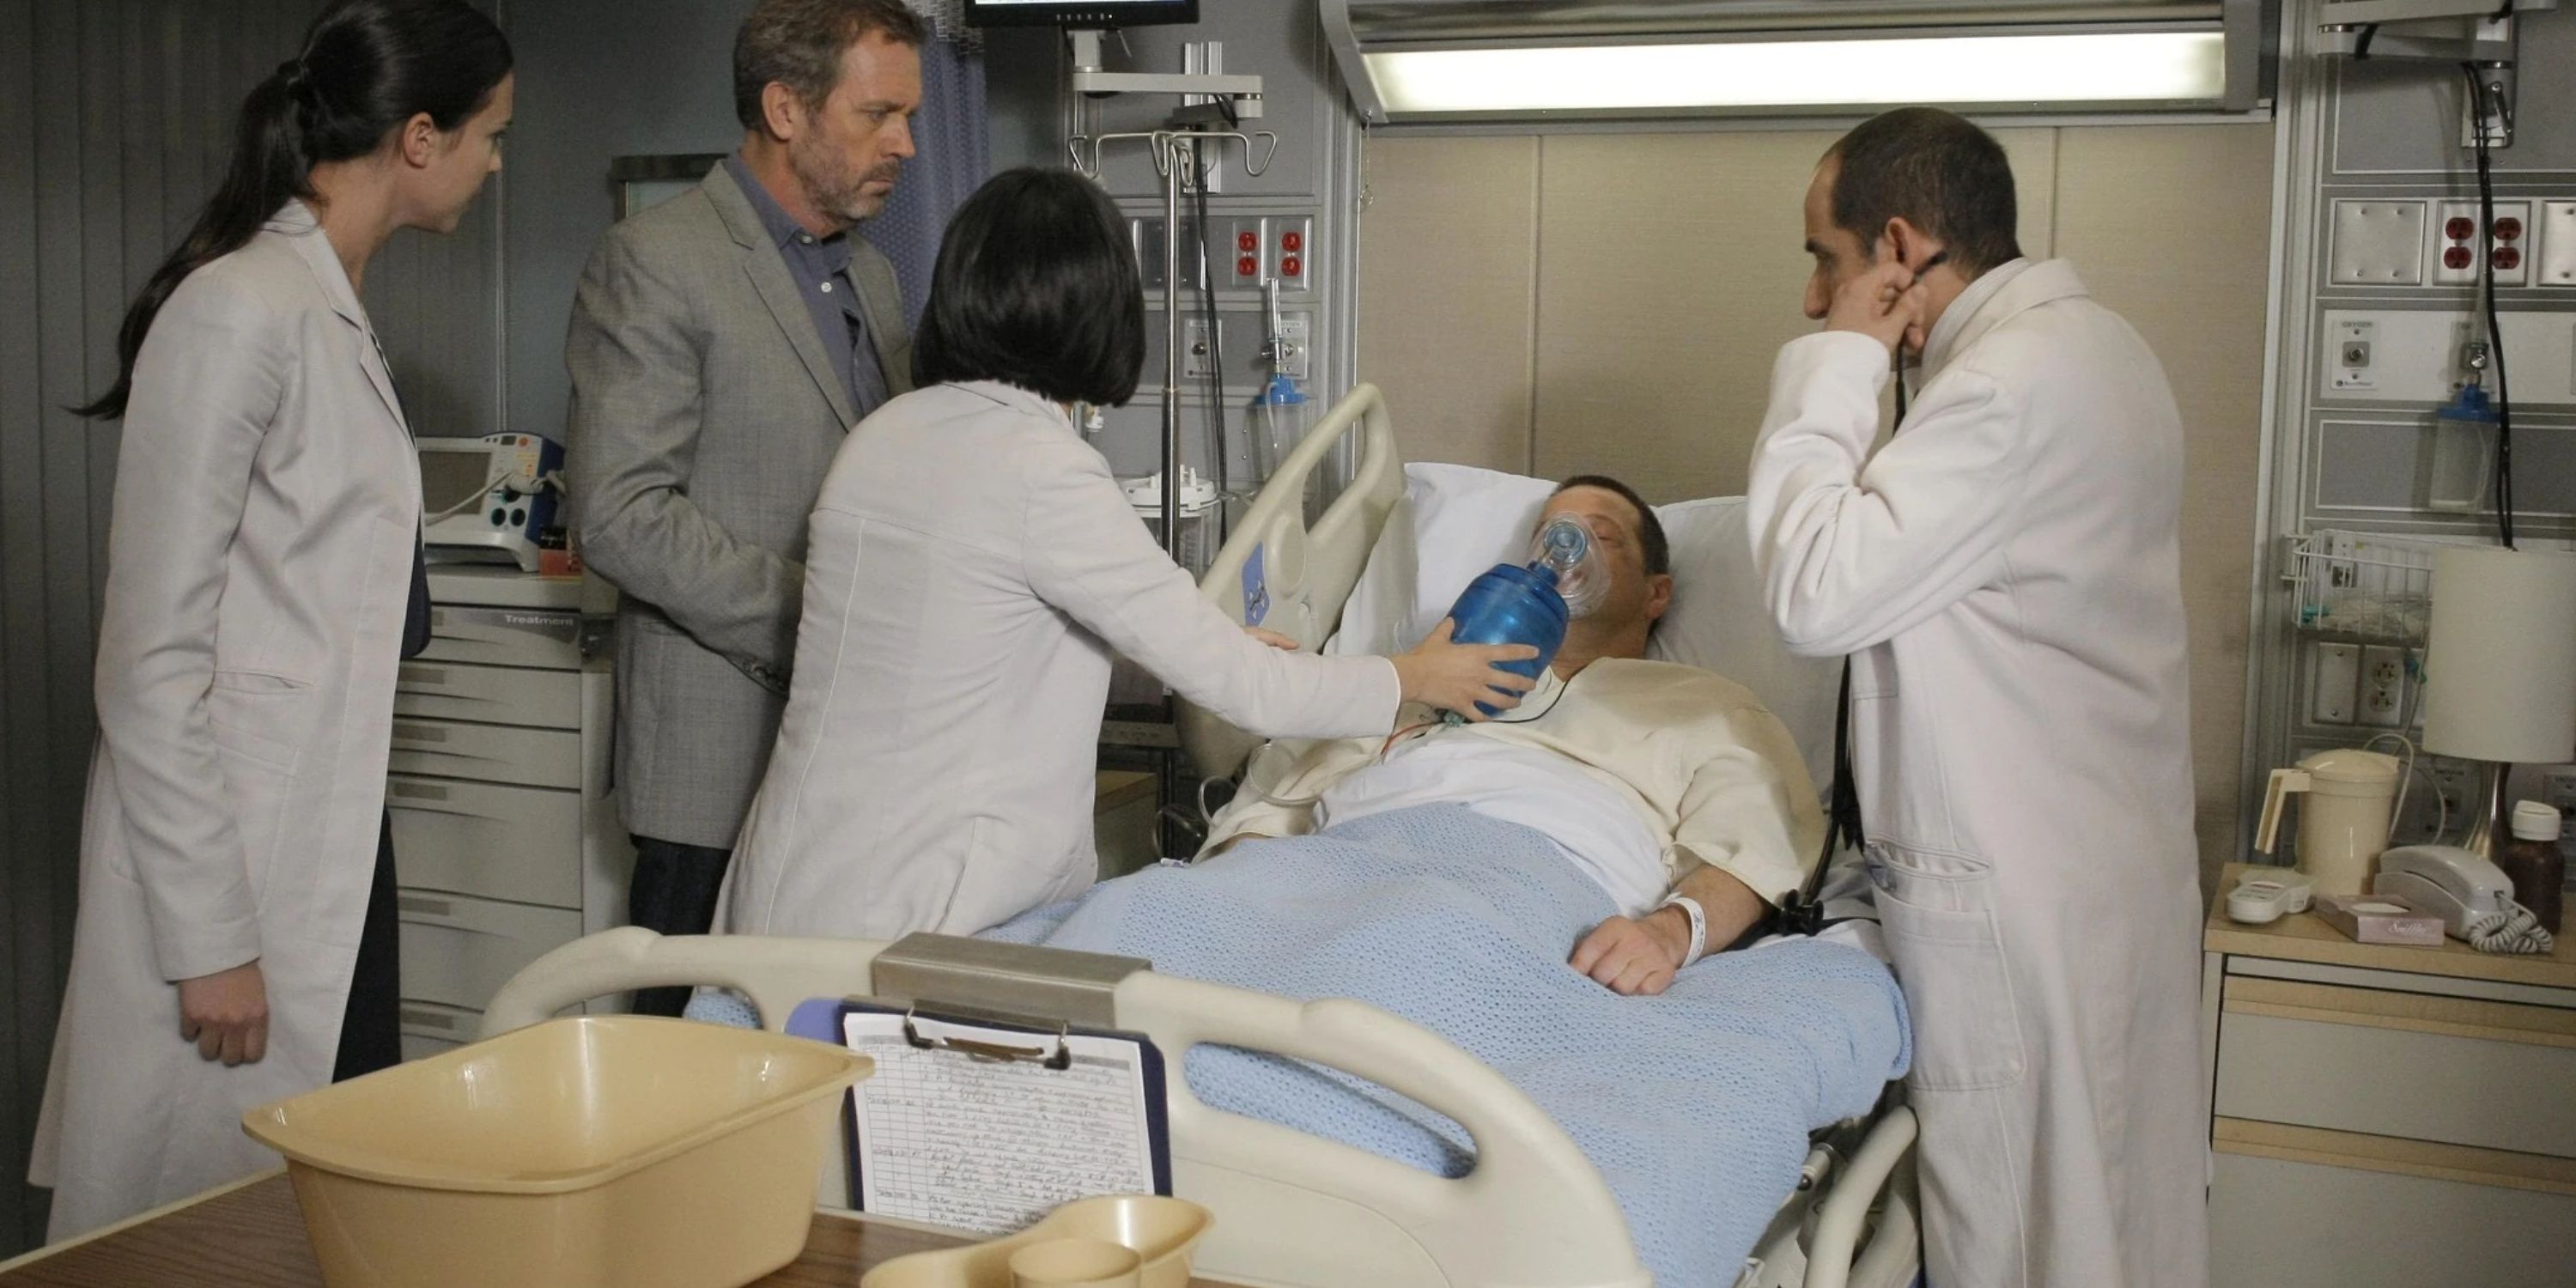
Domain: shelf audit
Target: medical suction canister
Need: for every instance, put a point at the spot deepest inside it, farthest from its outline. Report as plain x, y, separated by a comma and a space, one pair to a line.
1532, 603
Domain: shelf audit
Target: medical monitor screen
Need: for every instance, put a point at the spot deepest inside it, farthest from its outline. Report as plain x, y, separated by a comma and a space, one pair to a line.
447, 478
1079, 13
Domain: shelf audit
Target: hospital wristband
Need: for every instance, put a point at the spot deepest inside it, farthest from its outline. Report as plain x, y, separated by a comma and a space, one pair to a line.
1698, 923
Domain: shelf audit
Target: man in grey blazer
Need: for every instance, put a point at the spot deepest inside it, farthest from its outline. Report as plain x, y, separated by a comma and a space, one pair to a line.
722, 344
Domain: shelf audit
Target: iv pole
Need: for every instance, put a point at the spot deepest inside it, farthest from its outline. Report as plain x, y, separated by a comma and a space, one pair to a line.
1174, 149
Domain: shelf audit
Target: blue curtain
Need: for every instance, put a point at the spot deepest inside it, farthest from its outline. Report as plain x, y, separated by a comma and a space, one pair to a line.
952, 139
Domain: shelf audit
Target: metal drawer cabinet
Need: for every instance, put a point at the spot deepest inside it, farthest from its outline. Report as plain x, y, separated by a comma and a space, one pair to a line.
491, 753
486, 839
459, 951
489, 694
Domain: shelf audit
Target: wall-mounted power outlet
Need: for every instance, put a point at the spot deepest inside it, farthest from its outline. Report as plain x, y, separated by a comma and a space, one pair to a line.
2459, 251
2382, 700
2455, 784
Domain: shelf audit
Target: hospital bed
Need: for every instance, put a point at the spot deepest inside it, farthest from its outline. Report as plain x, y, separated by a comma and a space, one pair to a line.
1294, 1210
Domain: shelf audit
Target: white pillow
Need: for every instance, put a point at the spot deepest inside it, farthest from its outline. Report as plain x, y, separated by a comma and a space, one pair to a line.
1456, 521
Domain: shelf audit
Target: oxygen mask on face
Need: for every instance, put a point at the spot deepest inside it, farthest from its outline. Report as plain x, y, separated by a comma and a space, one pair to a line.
1566, 548
1566, 576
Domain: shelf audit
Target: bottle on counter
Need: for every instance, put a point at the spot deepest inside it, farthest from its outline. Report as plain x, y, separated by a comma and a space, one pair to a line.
2534, 863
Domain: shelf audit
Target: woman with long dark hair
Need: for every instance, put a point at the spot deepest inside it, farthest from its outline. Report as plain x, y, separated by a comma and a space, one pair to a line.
235, 942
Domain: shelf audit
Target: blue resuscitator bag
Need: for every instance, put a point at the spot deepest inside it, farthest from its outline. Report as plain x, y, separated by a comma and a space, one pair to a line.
1533, 603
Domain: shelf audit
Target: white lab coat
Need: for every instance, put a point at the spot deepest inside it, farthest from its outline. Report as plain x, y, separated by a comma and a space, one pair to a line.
2006, 572
259, 566
970, 567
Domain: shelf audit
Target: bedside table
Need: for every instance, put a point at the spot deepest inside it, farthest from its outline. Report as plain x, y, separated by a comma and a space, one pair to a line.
2384, 1114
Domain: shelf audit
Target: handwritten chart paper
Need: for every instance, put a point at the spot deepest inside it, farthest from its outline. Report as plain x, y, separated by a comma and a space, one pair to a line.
991, 1146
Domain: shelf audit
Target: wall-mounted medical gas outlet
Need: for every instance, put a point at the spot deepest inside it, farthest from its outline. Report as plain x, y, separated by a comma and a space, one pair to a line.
2335, 682
2457, 244
1198, 356
2417, 355
1242, 344
2350, 366
2556, 251
1294, 361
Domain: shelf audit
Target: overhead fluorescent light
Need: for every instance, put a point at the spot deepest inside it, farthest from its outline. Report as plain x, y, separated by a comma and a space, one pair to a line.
2091, 67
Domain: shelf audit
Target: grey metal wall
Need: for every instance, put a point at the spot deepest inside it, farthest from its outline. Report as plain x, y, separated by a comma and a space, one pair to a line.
114, 127
2389, 130
600, 79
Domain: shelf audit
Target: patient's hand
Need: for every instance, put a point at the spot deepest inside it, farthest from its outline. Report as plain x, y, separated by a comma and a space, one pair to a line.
1633, 955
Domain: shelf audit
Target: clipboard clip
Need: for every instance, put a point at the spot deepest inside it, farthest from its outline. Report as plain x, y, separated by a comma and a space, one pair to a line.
994, 1052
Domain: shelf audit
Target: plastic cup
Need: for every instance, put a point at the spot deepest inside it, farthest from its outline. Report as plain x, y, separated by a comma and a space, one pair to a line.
1076, 1263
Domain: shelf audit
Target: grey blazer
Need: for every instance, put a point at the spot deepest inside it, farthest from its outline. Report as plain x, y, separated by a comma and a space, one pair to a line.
704, 414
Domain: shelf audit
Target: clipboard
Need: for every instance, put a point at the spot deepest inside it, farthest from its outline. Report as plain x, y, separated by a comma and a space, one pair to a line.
986, 1126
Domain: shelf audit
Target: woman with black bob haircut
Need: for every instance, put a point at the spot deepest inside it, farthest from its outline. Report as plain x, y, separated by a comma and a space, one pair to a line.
971, 569
1037, 288
236, 935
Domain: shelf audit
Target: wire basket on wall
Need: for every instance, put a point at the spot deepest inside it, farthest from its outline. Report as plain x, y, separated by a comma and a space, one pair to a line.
2362, 586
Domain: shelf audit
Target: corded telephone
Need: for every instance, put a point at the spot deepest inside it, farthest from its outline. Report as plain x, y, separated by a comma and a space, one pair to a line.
2471, 895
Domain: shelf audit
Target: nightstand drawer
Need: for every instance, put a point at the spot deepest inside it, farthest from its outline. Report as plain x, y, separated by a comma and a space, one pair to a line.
2302, 1213
2494, 1075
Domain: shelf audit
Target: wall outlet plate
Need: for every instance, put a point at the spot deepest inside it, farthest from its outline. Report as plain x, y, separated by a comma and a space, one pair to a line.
2334, 683
1294, 358
2351, 357
2556, 231
2480, 242
2382, 699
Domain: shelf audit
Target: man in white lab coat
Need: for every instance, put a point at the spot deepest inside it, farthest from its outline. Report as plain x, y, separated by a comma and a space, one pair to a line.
2004, 572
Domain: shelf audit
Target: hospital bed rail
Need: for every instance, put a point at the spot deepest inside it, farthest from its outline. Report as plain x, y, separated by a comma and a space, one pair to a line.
1294, 1210
1306, 569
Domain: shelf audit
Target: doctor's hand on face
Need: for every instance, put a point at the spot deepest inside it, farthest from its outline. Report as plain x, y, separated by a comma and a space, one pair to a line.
1888, 303
226, 1014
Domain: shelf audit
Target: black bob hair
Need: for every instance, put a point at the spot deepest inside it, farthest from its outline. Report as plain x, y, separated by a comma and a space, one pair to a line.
1036, 286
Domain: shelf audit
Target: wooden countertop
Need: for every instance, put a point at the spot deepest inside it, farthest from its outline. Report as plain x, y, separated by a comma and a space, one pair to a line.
252, 1236
2306, 937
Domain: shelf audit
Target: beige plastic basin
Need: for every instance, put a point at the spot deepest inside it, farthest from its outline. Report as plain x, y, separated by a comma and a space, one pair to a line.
1161, 1231
603, 1150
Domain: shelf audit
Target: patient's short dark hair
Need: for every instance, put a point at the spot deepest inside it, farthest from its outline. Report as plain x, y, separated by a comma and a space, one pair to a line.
1650, 530
1036, 286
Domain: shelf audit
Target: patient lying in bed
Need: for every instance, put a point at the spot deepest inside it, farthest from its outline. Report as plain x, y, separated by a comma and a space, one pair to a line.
1445, 880
1648, 777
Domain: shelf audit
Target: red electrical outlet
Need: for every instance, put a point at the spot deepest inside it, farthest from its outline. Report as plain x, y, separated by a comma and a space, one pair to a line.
2458, 245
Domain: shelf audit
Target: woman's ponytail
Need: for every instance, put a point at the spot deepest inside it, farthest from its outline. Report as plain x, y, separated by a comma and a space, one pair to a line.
367, 66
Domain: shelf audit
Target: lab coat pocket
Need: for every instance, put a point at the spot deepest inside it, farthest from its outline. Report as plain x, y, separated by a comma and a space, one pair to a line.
260, 716
260, 723
1939, 915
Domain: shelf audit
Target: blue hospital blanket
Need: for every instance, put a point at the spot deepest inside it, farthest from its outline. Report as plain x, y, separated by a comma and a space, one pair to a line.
1695, 1105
